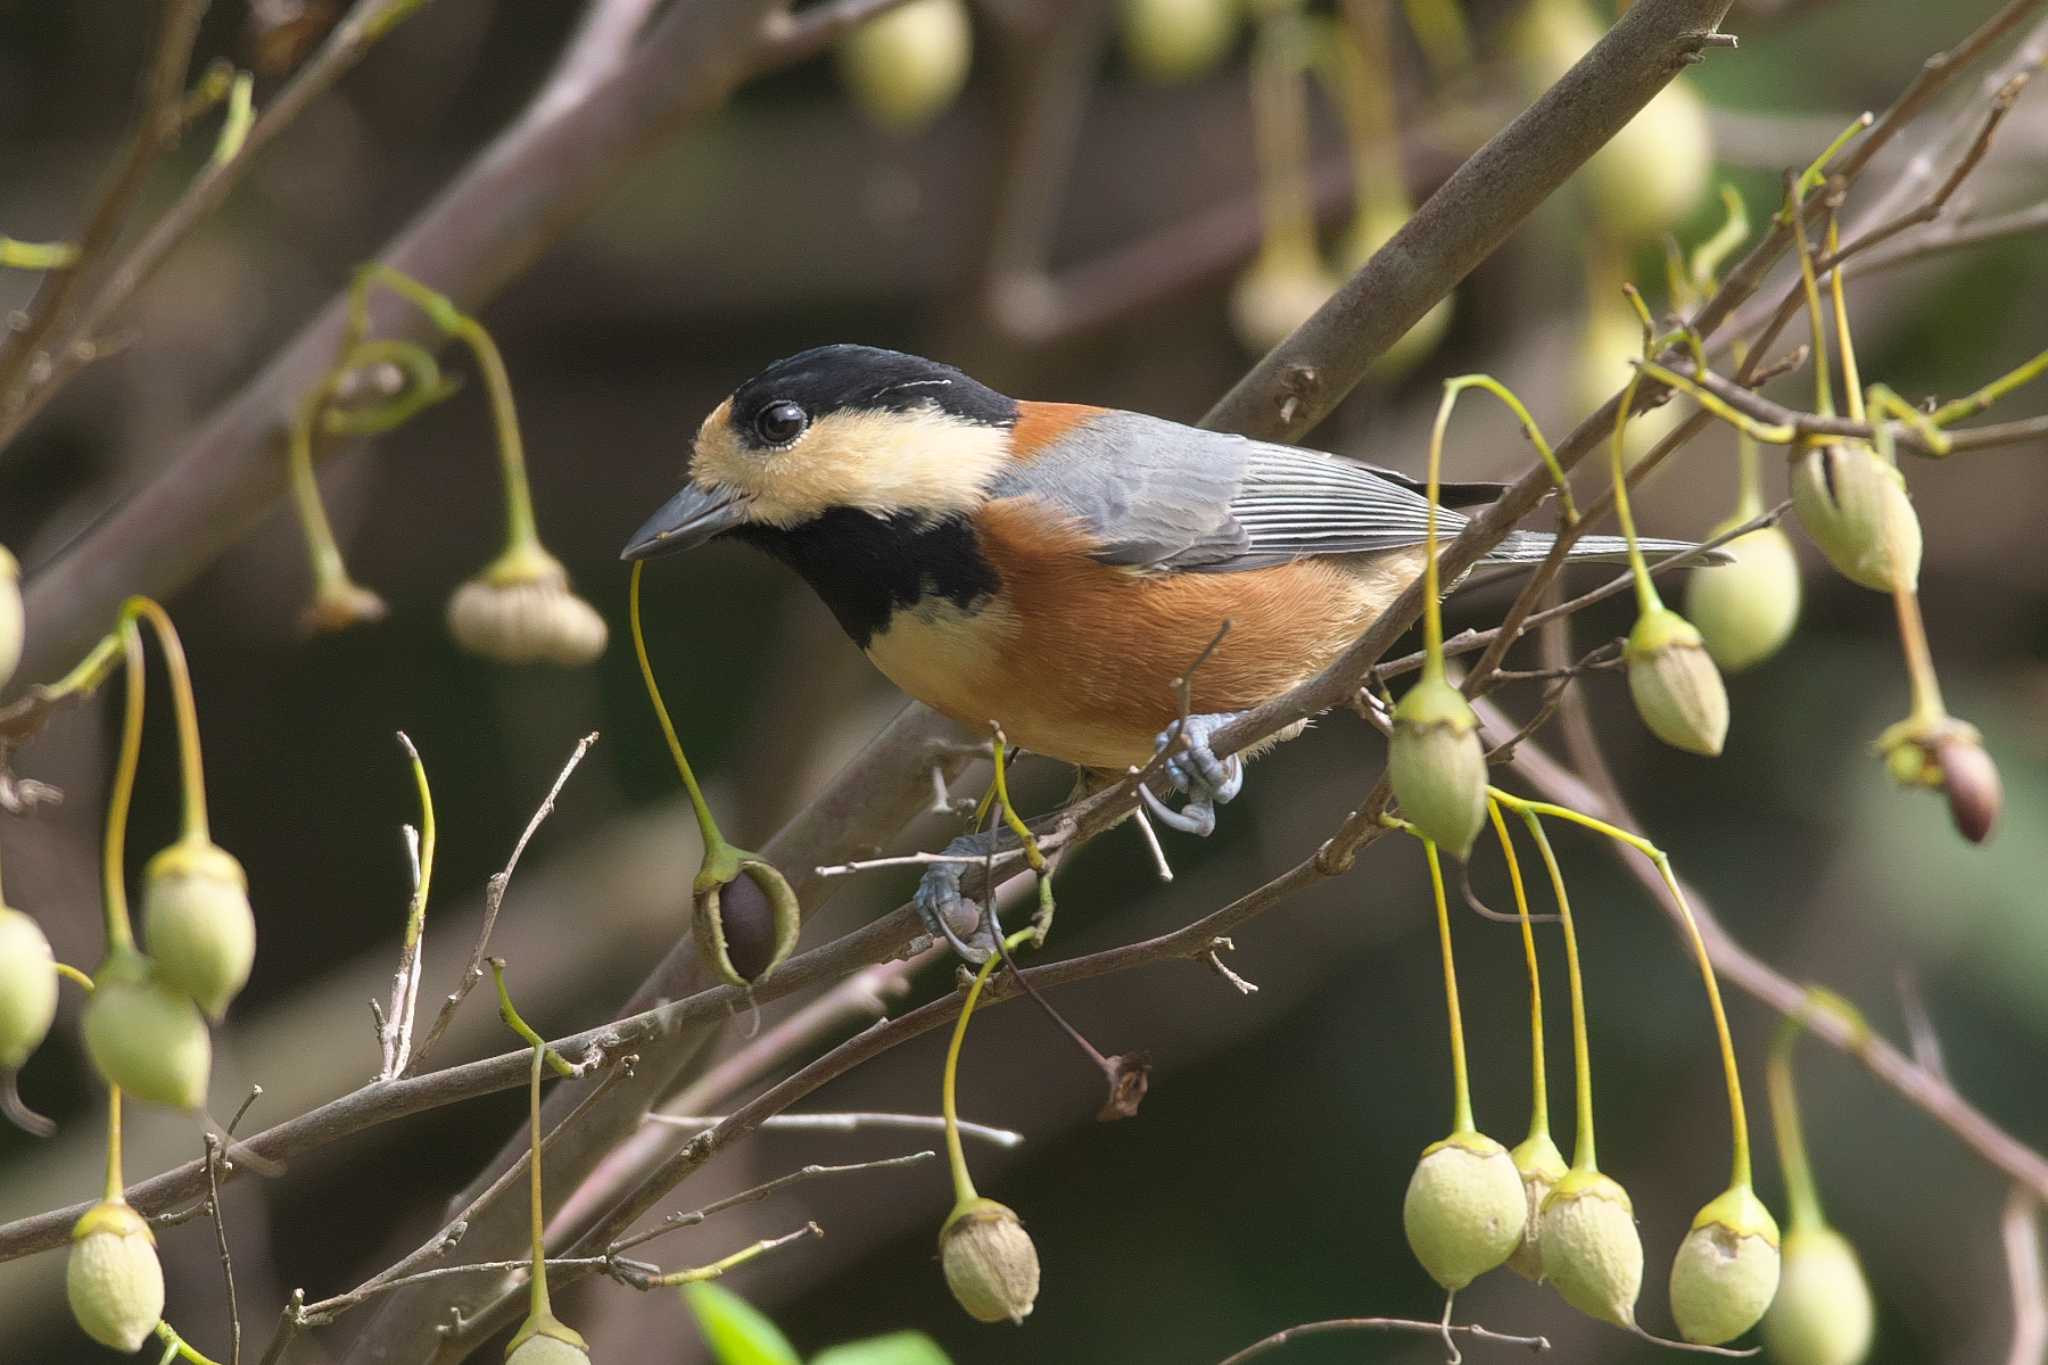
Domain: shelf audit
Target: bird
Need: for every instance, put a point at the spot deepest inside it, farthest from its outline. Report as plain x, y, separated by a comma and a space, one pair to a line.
1053, 568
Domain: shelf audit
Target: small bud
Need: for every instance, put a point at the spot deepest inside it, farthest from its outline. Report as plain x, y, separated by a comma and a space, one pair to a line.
990, 1264
746, 927
11, 616
1591, 1250
28, 987
1726, 1270
1541, 1166
1465, 1211
1169, 41
197, 924
1276, 294
1437, 765
520, 610
1745, 609
1676, 688
1853, 502
1975, 794
338, 605
147, 1036
113, 1280
906, 67
1823, 1314
544, 1339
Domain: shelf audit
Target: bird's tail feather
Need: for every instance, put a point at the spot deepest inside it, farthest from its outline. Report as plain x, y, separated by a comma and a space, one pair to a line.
1529, 547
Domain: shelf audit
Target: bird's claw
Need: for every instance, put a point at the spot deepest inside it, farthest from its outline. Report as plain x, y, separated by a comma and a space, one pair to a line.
941, 904
1194, 768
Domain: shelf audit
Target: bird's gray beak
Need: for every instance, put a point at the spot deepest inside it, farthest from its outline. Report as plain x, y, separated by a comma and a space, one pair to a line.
686, 521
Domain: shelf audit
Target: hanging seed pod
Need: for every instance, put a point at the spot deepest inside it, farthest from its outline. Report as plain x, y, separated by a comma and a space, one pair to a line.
906, 67
113, 1279
11, 616
1437, 765
544, 1339
990, 1263
1465, 1211
1171, 41
1975, 793
1853, 502
196, 922
520, 610
1726, 1270
1278, 293
1676, 688
339, 605
28, 987
1746, 609
1823, 1314
1591, 1250
745, 927
1541, 1166
147, 1036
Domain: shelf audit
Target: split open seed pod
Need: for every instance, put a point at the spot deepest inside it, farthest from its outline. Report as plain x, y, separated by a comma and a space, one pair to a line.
1541, 1166
1947, 755
196, 922
113, 1279
146, 1035
746, 925
990, 1263
1853, 502
520, 610
1437, 765
1745, 609
11, 615
1592, 1252
1726, 1270
906, 67
28, 987
1676, 688
1823, 1314
1465, 1211
544, 1339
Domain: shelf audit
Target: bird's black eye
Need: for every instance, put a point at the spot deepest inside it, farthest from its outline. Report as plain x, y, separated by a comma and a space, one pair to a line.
780, 423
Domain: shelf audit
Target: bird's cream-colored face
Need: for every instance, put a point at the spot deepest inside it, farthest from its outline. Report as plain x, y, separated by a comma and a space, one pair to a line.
923, 461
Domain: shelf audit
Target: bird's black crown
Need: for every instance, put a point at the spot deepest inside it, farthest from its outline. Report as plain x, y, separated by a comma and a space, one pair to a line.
846, 378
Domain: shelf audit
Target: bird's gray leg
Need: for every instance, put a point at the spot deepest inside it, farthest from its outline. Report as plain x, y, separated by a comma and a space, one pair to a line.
1195, 769
941, 903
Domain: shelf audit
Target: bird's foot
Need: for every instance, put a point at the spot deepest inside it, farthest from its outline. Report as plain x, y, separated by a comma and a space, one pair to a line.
946, 910
1195, 769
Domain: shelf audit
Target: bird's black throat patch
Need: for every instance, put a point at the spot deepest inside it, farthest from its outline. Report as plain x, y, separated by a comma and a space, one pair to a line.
867, 568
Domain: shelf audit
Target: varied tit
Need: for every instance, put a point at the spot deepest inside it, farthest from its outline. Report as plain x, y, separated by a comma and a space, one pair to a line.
1054, 567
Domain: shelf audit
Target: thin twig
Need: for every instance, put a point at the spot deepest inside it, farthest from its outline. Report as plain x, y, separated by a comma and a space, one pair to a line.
1472, 1329
848, 1122
2020, 1230
220, 1230
676, 1221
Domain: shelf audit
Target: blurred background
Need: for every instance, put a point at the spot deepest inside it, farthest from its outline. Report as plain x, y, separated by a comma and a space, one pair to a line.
1262, 1183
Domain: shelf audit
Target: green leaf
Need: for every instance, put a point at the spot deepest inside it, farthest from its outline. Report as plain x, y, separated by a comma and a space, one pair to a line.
898, 1348
736, 1331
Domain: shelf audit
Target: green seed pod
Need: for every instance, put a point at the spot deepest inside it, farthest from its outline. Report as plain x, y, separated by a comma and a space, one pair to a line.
147, 1036
520, 610
990, 1264
113, 1279
1591, 1250
1170, 41
28, 987
197, 924
1278, 293
746, 927
1726, 1270
1437, 765
1465, 1211
1853, 502
1823, 1314
906, 67
1541, 1166
544, 1339
1677, 690
1745, 610
11, 617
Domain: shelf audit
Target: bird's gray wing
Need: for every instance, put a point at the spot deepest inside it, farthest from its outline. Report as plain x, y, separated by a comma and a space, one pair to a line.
1158, 494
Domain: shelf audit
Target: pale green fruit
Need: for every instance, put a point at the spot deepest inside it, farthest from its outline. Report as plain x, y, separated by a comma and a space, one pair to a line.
1726, 1270
1676, 688
1541, 1166
544, 1339
989, 1260
1437, 766
28, 987
905, 67
1823, 1314
11, 616
1177, 40
113, 1279
1465, 1210
196, 922
1278, 292
520, 610
146, 1036
1745, 610
1853, 502
1592, 1252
